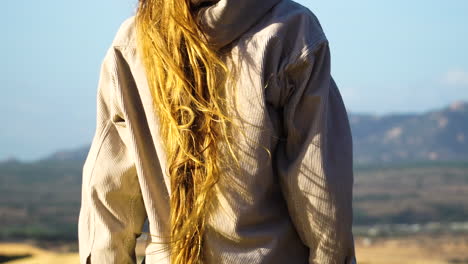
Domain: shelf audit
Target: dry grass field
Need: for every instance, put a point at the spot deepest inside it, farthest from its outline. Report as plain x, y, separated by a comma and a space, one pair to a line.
413, 250
410, 250
37, 256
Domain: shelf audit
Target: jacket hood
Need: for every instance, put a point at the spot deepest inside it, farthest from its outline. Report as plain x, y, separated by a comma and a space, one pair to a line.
223, 21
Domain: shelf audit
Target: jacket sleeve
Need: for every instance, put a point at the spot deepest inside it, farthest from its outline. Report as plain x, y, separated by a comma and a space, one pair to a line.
314, 158
112, 212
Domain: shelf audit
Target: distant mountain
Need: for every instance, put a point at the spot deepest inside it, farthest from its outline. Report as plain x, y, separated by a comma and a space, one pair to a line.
440, 135
70, 154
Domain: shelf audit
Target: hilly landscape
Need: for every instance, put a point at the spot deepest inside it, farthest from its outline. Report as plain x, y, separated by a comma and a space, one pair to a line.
439, 135
411, 171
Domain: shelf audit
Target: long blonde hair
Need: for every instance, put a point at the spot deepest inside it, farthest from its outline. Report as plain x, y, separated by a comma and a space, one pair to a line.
185, 75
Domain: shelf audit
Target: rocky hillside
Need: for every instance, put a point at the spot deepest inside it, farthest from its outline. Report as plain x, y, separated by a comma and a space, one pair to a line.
435, 135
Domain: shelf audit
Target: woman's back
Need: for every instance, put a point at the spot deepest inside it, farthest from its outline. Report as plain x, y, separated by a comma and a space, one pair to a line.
290, 198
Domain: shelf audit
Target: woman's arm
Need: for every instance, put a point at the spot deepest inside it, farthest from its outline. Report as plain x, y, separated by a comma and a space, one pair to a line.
112, 211
314, 160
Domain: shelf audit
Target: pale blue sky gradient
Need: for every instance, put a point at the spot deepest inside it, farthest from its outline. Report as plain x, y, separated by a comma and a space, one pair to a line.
387, 56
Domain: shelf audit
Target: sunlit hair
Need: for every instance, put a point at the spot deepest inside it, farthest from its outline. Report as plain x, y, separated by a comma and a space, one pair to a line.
186, 76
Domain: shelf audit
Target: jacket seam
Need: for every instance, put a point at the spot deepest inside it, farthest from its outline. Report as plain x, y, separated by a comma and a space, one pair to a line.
124, 46
132, 221
116, 86
128, 238
105, 133
303, 53
309, 49
296, 57
103, 136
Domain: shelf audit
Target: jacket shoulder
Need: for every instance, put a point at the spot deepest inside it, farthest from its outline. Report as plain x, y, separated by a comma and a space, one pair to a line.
125, 35
288, 31
297, 24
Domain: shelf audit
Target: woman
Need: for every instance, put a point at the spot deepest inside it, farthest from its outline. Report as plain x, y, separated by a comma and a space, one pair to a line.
218, 121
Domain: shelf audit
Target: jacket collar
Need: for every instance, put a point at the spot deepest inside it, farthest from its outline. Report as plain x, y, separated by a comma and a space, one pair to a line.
223, 21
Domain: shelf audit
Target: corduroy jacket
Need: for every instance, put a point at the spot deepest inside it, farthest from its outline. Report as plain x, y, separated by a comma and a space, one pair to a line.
291, 202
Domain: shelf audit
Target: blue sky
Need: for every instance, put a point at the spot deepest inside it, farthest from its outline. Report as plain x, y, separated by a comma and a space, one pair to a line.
387, 57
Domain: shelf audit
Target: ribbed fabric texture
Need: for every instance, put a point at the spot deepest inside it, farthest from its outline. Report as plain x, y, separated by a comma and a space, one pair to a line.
292, 200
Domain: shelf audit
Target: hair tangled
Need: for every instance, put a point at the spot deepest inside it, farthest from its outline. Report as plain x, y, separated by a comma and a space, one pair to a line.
185, 75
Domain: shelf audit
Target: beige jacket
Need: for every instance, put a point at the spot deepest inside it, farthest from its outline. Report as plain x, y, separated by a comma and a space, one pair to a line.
293, 207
